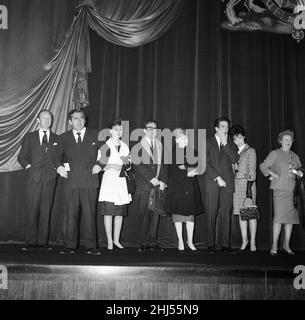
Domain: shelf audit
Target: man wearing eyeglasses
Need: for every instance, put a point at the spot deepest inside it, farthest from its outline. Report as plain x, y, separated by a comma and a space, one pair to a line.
150, 173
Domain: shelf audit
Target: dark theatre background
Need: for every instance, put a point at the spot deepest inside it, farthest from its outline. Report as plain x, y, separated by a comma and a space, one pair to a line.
188, 77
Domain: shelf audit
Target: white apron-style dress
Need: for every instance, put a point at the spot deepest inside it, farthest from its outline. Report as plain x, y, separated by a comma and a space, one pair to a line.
113, 187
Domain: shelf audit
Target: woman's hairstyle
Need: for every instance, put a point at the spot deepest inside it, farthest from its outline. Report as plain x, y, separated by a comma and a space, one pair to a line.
114, 123
237, 130
285, 133
178, 132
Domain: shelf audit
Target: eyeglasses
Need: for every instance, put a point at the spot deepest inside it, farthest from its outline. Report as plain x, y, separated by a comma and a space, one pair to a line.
151, 128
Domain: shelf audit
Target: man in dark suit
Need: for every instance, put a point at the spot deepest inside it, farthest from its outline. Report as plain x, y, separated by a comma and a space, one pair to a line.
219, 184
80, 170
39, 157
150, 173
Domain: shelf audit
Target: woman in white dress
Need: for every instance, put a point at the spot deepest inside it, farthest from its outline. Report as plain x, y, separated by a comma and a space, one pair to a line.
114, 196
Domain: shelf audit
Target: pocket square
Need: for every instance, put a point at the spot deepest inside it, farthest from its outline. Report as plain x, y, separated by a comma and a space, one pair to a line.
55, 144
93, 143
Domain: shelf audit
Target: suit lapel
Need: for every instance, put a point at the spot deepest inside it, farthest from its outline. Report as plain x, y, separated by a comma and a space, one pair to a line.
37, 142
215, 144
146, 146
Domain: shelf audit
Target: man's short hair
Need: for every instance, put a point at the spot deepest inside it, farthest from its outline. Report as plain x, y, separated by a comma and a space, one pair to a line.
45, 110
147, 122
72, 112
220, 119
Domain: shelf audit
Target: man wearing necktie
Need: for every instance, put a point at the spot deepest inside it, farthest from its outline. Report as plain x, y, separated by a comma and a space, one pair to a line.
150, 173
80, 170
219, 185
39, 156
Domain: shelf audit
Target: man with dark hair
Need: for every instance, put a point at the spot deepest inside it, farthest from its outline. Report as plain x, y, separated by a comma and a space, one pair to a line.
150, 173
219, 184
80, 170
39, 156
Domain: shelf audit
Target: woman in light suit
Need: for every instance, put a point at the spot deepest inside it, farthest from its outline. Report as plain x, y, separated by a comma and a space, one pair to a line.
282, 167
245, 186
114, 196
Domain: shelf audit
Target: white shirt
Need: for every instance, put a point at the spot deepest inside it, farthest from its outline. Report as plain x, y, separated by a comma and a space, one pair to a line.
218, 140
82, 134
240, 149
41, 134
150, 142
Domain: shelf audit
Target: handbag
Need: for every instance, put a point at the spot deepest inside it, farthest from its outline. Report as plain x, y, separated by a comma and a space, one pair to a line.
130, 179
249, 211
157, 201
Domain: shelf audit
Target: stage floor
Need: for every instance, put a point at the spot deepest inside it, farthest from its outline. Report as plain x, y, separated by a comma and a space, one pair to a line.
167, 275
11, 254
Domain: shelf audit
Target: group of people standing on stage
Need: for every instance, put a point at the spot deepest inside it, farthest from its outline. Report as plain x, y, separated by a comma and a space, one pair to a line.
229, 178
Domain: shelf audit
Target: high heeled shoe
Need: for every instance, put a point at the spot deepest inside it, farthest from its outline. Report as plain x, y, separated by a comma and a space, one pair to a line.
117, 248
252, 248
273, 253
289, 252
242, 250
192, 250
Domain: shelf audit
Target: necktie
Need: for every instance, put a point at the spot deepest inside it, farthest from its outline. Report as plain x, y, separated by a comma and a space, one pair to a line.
79, 139
152, 147
45, 141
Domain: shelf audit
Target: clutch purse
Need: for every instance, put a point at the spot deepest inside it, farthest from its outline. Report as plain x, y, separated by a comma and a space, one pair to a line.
157, 201
249, 211
130, 179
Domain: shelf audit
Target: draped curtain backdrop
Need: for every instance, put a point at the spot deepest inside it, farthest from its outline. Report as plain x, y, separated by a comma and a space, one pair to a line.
193, 73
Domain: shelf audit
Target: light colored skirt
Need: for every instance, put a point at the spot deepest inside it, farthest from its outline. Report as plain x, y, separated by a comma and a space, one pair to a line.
284, 211
180, 218
240, 194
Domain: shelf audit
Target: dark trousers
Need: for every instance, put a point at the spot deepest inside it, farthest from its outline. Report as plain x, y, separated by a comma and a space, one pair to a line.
218, 206
81, 201
40, 198
149, 222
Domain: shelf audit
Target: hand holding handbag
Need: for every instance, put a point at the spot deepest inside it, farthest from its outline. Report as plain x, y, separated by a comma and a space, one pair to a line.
249, 211
130, 179
157, 201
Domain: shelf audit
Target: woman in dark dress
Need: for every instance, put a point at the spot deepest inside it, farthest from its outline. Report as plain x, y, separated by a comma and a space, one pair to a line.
184, 197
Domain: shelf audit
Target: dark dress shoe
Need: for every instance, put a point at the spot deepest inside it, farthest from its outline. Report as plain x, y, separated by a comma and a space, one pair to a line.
142, 249
181, 251
156, 248
93, 252
67, 251
29, 247
211, 250
193, 251
46, 248
227, 249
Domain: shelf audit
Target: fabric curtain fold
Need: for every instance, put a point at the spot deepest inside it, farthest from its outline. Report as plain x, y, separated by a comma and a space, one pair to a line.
64, 85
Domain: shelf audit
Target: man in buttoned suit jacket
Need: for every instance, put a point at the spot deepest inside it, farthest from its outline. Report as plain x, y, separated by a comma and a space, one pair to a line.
80, 170
150, 173
219, 184
39, 156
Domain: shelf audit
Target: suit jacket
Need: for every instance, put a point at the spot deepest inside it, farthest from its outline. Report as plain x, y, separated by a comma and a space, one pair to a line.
43, 164
278, 161
246, 166
145, 172
81, 159
219, 164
